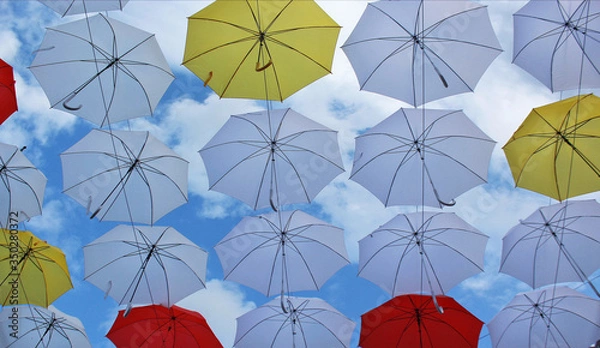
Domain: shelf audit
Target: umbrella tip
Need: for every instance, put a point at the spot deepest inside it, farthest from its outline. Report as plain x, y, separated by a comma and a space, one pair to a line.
23, 148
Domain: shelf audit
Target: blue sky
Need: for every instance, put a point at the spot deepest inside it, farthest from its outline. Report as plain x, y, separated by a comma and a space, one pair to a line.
189, 114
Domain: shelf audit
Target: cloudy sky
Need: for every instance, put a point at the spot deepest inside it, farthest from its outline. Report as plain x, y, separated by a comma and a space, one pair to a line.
190, 114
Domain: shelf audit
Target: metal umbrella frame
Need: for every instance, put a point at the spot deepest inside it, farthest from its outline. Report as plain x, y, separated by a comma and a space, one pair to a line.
22, 187
101, 69
272, 158
558, 43
127, 176
415, 51
138, 265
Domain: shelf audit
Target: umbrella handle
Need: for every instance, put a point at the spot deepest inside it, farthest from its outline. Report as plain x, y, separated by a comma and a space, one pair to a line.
210, 75
436, 304
68, 107
261, 68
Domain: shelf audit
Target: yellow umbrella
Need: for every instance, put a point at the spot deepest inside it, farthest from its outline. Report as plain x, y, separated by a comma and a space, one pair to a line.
31, 270
260, 49
555, 150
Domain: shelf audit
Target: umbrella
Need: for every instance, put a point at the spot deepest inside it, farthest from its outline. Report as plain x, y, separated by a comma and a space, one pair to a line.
272, 158
558, 42
21, 189
31, 270
308, 322
282, 252
421, 252
557, 243
422, 156
144, 264
554, 151
101, 69
125, 176
260, 49
413, 321
8, 96
159, 326
33, 326
72, 7
419, 51
552, 317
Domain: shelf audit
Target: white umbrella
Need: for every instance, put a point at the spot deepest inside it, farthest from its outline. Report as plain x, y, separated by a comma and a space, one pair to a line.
101, 69
556, 317
272, 158
422, 156
22, 187
124, 176
282, 252
418, 51
72, 7
558, 42
425, 252
557, 243
307, 323
145, 265
33, 326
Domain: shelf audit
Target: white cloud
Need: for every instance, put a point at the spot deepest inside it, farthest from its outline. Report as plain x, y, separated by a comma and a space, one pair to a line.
221, 303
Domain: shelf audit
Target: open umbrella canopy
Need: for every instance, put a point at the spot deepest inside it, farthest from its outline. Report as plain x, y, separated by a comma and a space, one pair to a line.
428, 252
555, 150
156, 326
422, 156
282, 252
557, 243
556, 317
22, 187
272, 158
261, 49
31, 270
414, 50
305, 323
144, 264
414, 321
558, 42
72, 7
34, 326
101, 69
8, 95
127, 176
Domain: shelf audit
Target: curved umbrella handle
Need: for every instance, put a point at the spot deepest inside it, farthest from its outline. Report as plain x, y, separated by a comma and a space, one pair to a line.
261, 68
210, 75
68, 107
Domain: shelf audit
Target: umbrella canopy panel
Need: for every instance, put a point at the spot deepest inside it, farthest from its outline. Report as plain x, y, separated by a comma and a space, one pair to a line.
306, 323
555, 150
101, 69
22, 187
72, 7
143, 264
159, 326
262, 49
127, 176
418, 51
272, 158
8, 95
422, 156
557, 243
34, 326
555, 317
31, 270
558, 42
414, 321
421, 253
282, 252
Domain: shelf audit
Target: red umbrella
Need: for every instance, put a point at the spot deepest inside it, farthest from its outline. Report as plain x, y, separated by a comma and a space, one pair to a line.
8, 96
414, 321
158, 326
